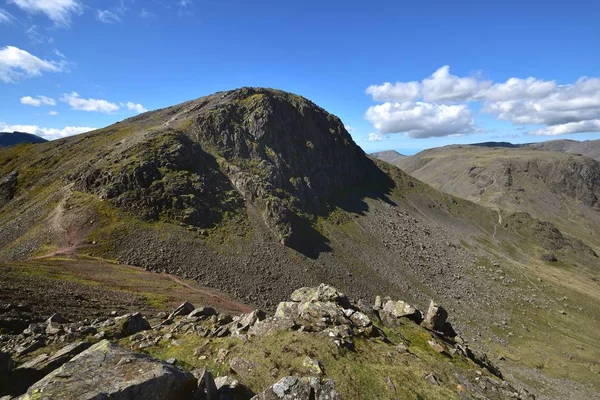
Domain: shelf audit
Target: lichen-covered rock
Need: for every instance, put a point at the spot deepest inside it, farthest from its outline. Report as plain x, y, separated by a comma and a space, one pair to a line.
323, 293
106, 371
394, 310
292, 388
287, 309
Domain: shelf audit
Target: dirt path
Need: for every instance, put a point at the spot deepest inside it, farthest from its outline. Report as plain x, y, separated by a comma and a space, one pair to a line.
209, 293
159, 291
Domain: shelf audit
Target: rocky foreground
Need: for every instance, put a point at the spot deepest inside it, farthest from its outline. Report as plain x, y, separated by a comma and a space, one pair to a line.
318, 345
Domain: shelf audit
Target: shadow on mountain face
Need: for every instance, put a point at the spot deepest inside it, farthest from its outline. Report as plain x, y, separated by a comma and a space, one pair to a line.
310, 242
378, 186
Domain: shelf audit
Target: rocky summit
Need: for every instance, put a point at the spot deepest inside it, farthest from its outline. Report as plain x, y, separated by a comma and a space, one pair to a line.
306, 350
135, 260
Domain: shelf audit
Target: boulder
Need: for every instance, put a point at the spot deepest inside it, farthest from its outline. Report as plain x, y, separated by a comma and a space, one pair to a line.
57, 318
292, 388
202, 312
324, 293
313, 366
287, 310
360, 319
435, 318
394, 310
247, 320
129, 324
319, 312
107, 371
184, 309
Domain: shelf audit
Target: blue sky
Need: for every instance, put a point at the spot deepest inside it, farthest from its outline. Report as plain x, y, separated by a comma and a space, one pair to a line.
457, 71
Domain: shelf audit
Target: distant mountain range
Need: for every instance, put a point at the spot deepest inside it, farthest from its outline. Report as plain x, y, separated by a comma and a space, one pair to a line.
587, 148
390, 156
13, 138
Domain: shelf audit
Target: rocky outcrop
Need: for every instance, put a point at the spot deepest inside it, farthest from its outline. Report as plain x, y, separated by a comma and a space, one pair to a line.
107, 371
315, 316
168, 177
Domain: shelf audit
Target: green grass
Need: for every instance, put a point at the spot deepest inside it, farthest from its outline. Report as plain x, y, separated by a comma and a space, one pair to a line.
359, 374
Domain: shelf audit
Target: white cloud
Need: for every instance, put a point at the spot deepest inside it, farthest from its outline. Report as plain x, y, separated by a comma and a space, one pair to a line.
136, 107
560, 109
6, 17
16, 64
566, 104
52, 112
374, 137
442, 86
59, 11
399, 91
46, 133
515, 89
58, 53
421, 120
349, 128
108, 17
38, 101
568, 128
77, 103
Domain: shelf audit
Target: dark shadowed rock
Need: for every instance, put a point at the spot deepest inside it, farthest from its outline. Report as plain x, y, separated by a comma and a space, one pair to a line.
6, 363
107, 371
57, 318
129, 324
436, 317
184, 309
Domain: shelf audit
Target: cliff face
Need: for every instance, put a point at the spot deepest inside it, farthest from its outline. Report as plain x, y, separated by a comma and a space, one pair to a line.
278, 151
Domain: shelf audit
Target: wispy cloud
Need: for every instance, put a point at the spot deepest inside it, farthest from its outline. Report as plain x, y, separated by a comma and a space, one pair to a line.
17, 64
6, 17
38, 101
59, 11
36, 37
92, 105
108, 17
